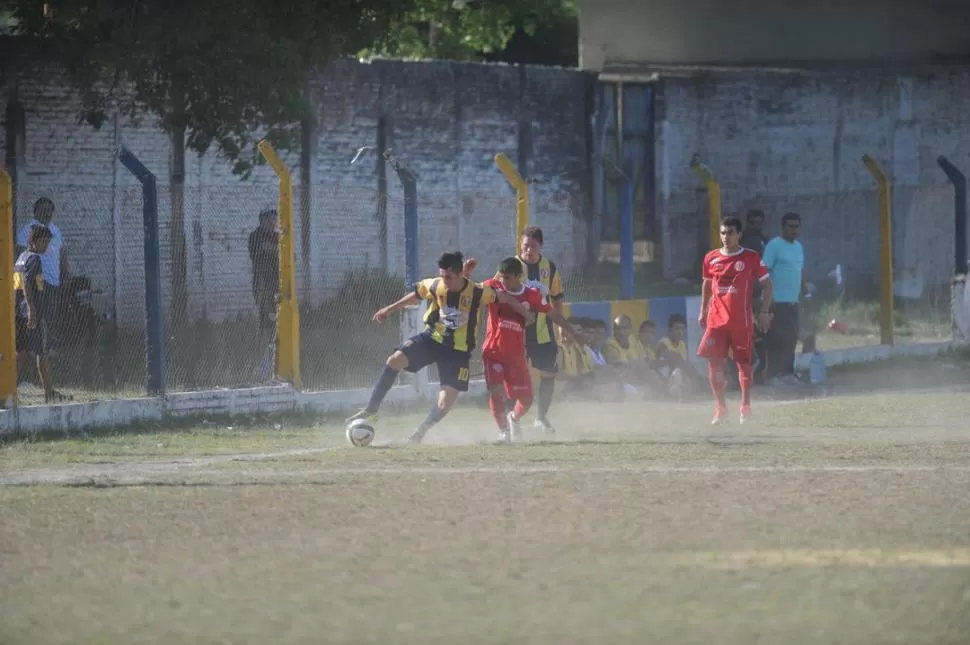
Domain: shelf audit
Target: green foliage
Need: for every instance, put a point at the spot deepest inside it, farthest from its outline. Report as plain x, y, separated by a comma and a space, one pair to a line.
220, 70
465, 30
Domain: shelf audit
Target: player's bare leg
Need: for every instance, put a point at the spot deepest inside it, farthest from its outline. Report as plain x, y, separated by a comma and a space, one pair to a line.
744, 379
715, 374
392, 367
496, 404
446, 398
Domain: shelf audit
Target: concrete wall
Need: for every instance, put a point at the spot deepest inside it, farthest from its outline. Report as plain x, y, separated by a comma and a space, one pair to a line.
796, 143
616, 32
446, 120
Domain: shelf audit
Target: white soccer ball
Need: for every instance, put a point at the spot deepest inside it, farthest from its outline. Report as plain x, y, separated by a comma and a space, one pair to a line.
360, 433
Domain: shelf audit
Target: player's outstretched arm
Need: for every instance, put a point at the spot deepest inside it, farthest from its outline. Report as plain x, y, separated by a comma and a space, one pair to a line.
705, 302
556, 316
468, 268
382, 314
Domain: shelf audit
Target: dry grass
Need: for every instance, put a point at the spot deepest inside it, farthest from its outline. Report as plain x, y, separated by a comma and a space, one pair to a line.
843, 520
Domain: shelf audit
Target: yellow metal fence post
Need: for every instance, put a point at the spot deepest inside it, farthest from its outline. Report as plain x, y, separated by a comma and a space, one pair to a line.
886, 304
8, 348
521, 195
713, 201
288, 320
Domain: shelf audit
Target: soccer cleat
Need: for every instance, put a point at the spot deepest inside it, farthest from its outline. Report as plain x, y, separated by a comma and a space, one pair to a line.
515, 428
720, 417
504, 437
745, 414
417, 436
544, 426
362, 414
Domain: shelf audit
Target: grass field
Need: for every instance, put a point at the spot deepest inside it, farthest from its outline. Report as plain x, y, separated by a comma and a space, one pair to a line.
837, 520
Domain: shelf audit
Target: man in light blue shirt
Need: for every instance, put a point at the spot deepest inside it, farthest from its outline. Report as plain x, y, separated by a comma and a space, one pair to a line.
785, 259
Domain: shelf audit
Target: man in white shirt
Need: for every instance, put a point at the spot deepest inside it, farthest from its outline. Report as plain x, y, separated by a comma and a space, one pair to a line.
53, 261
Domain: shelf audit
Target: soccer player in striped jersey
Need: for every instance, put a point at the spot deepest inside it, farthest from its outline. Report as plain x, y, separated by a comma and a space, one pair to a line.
453, 312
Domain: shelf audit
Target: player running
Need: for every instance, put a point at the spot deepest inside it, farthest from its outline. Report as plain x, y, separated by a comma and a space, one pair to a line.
503, 352
453, 311
730, 274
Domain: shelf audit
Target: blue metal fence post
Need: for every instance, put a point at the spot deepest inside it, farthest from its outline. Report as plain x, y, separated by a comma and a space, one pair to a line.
627, 200
411, 246
154, 327
959, 181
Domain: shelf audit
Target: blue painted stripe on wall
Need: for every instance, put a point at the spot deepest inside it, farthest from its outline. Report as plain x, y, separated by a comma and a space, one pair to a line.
597, 310
662, 308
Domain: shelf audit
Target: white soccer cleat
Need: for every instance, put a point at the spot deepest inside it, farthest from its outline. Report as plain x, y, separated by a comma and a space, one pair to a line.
417, 436
515, 428
720, 418
745, 415
544, 427
504, 437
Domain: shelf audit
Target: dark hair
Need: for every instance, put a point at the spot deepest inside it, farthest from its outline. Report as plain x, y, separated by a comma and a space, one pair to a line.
451, 260
268, 213
790, 217
43, 202
533, 232
732, 222
753, 213
649, 324
38, 233
597, 323
676, 318
510, 266
576, 321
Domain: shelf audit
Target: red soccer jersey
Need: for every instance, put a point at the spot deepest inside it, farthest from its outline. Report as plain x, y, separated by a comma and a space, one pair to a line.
505, 331
732, 276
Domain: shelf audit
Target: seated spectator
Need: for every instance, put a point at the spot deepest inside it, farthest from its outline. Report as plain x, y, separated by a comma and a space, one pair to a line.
625, 352
672, 360
574, 362
647, 335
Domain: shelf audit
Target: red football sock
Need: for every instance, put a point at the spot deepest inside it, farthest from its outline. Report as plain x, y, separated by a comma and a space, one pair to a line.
496, 403
521, 407
744, 378
715, 374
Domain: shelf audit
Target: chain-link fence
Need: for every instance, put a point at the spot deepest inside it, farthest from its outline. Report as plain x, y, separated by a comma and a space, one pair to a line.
840, 233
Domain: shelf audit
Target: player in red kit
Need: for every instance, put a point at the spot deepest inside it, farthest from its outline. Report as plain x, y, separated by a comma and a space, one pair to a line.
730, 274
503, 352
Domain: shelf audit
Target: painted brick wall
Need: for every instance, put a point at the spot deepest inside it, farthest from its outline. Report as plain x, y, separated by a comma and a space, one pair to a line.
796, 143
445, 120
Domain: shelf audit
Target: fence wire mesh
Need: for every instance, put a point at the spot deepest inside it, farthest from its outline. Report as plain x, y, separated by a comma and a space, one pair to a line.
840, 233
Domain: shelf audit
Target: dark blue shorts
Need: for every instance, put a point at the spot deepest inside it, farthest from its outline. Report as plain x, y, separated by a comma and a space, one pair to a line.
542, 356
423, 350
33, 341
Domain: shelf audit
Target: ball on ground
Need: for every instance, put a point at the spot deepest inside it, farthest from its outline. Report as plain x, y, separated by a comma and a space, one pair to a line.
360, 433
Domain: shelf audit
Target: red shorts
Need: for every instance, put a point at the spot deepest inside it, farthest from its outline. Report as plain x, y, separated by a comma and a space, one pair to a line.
514, 374
717, 342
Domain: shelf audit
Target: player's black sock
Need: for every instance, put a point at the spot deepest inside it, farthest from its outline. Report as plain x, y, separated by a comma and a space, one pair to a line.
547, 387
381, 388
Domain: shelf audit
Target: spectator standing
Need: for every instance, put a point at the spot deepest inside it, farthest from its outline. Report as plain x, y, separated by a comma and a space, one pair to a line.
264, 254
31, 327
53, 262
785, 259
753, 237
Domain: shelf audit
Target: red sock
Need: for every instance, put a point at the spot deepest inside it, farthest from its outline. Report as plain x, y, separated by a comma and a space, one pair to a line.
715, 374
744, 378
496, 403
521, 407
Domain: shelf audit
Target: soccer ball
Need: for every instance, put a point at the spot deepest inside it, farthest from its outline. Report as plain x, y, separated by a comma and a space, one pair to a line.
360, 433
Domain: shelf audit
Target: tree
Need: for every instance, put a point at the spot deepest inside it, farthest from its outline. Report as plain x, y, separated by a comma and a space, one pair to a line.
217, 71
467, 29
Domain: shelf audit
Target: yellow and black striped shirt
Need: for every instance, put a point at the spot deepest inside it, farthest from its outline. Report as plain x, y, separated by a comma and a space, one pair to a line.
544, 276
452, 316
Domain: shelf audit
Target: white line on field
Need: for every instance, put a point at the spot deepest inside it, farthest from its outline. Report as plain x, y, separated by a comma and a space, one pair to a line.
133, 474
